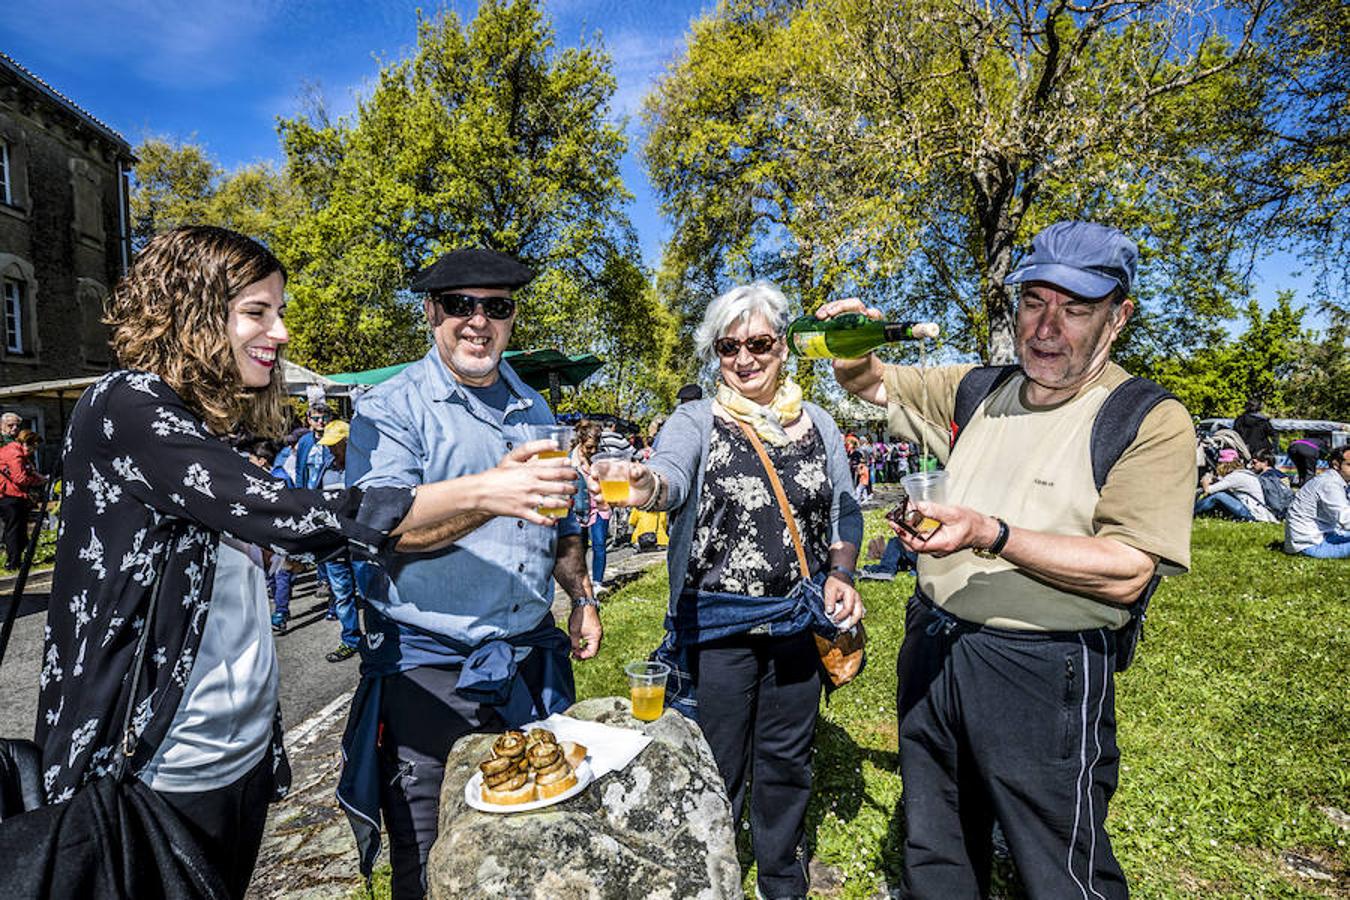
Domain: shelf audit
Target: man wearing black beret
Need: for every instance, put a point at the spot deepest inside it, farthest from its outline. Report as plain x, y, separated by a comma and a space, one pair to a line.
460, 637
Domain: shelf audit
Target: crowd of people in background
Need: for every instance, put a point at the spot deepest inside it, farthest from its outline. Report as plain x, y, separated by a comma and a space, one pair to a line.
1240, 479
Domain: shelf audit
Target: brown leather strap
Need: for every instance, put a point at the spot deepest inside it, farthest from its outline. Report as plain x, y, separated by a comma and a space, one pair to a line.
780, 494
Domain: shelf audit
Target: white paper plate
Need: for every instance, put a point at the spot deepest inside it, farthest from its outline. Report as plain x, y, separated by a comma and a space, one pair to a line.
473, 793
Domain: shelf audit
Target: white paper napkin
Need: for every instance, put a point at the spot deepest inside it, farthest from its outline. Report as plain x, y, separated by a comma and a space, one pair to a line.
609, 748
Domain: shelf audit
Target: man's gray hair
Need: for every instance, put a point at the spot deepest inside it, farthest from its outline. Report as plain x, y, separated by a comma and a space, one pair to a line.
739, 305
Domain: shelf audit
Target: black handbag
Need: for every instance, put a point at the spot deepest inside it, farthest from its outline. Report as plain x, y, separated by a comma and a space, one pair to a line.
115, 839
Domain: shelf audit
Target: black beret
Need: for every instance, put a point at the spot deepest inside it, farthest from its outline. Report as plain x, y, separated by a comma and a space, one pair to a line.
689, 392
472, 268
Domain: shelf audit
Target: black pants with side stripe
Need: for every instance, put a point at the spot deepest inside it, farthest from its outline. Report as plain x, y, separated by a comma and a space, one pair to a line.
1017, 727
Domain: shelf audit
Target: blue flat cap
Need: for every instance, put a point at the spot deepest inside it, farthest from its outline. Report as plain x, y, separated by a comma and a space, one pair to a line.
1083, 258
472, 268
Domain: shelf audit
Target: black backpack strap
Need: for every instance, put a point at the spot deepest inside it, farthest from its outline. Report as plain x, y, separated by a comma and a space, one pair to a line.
1118, 422
1115, 428
975, 387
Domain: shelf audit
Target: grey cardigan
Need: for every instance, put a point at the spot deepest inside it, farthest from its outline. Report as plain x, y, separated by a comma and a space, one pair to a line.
680, 452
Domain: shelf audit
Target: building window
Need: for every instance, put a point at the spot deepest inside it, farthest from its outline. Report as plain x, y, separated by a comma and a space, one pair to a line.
6, 188
11, 294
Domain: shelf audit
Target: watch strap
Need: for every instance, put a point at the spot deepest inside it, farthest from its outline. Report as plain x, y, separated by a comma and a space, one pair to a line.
994, 549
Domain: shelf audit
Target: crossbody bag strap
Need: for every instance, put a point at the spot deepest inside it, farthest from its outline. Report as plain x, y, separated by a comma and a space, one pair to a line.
780, 494
129, 738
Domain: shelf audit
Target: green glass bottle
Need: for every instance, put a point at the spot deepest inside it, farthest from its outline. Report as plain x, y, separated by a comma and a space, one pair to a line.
851, 335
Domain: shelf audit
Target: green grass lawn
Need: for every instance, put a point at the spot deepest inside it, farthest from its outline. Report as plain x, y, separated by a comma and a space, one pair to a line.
1234, 726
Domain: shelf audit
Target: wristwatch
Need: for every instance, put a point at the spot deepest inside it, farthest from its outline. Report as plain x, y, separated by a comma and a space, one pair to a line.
586, 601
846, 572
994, 549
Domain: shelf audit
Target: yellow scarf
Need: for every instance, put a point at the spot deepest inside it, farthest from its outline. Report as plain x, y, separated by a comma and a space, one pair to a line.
767, 421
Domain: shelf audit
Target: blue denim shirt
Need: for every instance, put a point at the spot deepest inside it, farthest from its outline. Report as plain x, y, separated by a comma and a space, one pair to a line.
422, 426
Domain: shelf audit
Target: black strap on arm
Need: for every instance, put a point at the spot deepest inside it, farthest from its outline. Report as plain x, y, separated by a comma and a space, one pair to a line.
975, 387
1115, 428
1118, 421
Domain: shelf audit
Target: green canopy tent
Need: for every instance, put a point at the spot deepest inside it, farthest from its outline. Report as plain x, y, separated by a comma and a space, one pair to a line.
543, 370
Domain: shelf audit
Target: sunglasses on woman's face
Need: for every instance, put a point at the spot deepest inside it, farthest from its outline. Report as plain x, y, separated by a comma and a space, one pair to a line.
461, 306
758, 345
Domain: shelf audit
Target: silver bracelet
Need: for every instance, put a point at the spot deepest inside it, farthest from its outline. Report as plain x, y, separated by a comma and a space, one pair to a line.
657, 500
578, 602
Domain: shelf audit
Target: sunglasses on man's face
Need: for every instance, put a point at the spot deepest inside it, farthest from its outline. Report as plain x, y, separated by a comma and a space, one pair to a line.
461, 306
758, 345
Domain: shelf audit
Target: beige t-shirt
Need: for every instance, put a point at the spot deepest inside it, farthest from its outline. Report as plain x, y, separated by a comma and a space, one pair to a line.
1032, 466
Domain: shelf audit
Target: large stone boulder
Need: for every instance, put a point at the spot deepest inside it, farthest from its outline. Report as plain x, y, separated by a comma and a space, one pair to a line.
658, 830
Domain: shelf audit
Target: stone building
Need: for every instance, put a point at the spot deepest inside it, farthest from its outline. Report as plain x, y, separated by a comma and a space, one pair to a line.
64, 241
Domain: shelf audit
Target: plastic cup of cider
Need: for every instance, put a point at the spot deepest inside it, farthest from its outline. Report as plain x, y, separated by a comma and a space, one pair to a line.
611, 470
930, 487
562, 435
647, 686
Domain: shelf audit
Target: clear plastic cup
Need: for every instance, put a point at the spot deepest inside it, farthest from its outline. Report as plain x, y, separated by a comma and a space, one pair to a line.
930, 487
647, 687
562, 435
610, 468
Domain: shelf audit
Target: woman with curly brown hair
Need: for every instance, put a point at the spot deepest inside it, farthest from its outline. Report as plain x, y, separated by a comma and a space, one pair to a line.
160, 512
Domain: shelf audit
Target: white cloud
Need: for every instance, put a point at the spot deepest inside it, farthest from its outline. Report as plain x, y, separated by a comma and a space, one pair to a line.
161, 41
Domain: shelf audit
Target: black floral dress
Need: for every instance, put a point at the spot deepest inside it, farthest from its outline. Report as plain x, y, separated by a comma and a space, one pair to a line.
148, 493
741, 542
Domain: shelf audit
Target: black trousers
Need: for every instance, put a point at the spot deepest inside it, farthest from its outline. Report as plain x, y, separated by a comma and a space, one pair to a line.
422, 717
1017, 727
228, 822
757, 704
14, 522
1304, 459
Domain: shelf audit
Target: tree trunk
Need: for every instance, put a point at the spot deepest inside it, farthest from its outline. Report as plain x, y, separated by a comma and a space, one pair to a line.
993, 184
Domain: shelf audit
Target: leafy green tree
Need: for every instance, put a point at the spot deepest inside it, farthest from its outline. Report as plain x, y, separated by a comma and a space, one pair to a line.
179, 184
1304, 174
1218, 379
909, 149
1319, 386
172, 185
487, 135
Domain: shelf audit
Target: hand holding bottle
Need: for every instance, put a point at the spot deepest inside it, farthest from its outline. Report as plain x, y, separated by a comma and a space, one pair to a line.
845, 329
832, 308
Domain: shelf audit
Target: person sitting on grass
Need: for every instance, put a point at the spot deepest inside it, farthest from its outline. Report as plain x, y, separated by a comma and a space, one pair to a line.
1318, 521
1236, 493
894, 558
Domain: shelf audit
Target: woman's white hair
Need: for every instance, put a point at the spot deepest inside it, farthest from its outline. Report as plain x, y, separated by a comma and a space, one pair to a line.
739, 305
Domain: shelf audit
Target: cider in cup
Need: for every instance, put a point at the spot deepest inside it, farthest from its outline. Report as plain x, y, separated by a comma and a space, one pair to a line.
611, 470
647, 687
562, 435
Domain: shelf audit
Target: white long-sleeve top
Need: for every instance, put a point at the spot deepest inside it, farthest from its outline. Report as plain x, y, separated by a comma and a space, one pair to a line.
1320, 506
1246, 486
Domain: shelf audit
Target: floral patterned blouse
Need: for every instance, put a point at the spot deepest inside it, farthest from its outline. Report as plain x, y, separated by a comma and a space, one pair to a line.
741, 542
148, 493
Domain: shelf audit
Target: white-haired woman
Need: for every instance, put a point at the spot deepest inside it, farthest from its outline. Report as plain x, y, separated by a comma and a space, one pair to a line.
733, 624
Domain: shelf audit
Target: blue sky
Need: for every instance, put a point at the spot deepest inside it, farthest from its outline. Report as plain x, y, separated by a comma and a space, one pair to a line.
220, 73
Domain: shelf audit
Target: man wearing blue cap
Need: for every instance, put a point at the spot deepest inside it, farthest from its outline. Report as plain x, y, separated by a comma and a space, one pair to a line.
1067, 494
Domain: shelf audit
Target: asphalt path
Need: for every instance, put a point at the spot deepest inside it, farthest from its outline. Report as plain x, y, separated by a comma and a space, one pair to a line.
308, 681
